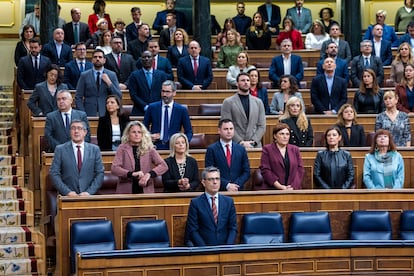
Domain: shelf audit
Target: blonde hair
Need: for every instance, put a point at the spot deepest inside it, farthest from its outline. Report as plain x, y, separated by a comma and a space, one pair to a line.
410, 56
302, 121
146, 141
174, 139
340, 121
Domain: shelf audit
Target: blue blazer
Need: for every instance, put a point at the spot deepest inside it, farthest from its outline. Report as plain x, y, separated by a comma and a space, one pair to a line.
302, 23
55, 131
72, 73
388, 33
275, 20
41, 101
64, 171
276, 69
173, 55
186, 76
131, 32
238, 172
340, 71
320, 96
386, 53
49, 50
89, 99
179, 118
141, 94
201, 230
163, 64
161, 20
26, 77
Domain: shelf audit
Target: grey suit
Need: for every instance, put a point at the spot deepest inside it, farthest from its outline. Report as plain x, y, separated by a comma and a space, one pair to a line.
64, 171
41, 101
55, 131
344, 51
302, 22
278, 102
252, 128
89, 99
358, 66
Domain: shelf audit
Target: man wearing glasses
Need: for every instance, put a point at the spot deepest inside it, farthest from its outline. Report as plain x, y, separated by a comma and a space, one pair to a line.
75, 67
211, 216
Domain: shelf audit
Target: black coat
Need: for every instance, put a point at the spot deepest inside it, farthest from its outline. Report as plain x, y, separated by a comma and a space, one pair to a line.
104, 132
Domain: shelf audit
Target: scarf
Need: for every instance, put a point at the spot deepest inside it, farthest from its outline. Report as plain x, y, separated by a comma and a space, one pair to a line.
388, 168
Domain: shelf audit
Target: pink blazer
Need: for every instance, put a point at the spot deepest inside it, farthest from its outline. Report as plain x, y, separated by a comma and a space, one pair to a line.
124, 162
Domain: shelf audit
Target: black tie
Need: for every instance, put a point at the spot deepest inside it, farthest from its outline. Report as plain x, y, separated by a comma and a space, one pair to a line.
36, 66
98, 80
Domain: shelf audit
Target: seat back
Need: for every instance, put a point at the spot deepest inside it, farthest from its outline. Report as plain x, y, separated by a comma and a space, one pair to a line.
92, 235
210, 109
198, 141
310, 226
370, 225
261, 228
146, 234
407, 225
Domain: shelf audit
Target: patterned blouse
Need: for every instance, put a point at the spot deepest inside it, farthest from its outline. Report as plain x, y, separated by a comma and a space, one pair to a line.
400, 128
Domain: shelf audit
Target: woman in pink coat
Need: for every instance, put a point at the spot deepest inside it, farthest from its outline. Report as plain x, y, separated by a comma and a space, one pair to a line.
136, 161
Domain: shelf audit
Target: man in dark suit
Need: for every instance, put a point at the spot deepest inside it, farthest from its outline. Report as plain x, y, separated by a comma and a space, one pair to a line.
74, 68
241, 20
160, 21
211, 216
271, 15
122, 64
230, 158
140, 44
132, 28
158, 62
58, 121
56, 50
344, 51
145, 85
302, 17
366, 60
76, 31
381, 47
166, 117
31, 69
341, 69
194, 71
328, 92
77, 168
95, 85
277, 68
167, 33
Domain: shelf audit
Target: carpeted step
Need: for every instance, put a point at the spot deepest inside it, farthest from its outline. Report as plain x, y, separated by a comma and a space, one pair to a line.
6, 130
8, 170
8, 180
5, 140
7, 160
16, 235
19, 266
6, 149
17, 205
13, 192
15, 219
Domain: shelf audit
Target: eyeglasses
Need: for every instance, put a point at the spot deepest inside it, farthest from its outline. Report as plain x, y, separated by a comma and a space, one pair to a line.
104, 23
213, 178
76, 128
81, 49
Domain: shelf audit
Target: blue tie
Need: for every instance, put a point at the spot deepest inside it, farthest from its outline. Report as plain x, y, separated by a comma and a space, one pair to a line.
165, 134
82, 67
67, 123
149, 78
366, 63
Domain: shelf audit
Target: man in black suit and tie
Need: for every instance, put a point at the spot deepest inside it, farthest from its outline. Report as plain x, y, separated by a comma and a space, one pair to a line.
77, 168
122, 64
56, 50
167, 33
132, 28
74, 68
230, 158
271, 15
194, 71
76, 31
328, 91
31, 69
158, 62
344, 51
145, 85
58, 121
211, 216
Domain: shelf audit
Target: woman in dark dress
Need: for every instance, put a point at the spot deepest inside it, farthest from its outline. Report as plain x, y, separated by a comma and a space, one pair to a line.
179, 47
369, 98
258, 36
23, 47
353, 134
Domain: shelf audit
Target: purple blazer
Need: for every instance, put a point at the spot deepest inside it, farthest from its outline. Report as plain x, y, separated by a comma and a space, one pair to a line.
124, 162
272, 166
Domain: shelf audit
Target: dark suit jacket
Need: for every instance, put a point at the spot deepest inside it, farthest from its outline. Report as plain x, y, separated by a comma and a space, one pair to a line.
26, 76
165, 39
136, 48
127, 66
41, 101
320, 96
20, 51
238, 172
357, 67
72, 73
344, 51
84, 33
297, 137
276, 69
161, 20
340, 71
385, 52
64, 171
179, 119
49, 50
357, 138
173, 55
55, 131
171, 177
163, 64
275, 20
186, 75
273, 167
201, 230
89, 99
131, 32
104, 132
141, 94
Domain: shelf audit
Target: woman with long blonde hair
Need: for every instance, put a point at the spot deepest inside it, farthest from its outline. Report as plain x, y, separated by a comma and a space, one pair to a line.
403, 57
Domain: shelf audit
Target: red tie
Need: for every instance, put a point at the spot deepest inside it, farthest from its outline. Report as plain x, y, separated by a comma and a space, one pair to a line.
119, 60
195, 66
154, 65
228, 155
214, 208
79, 158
